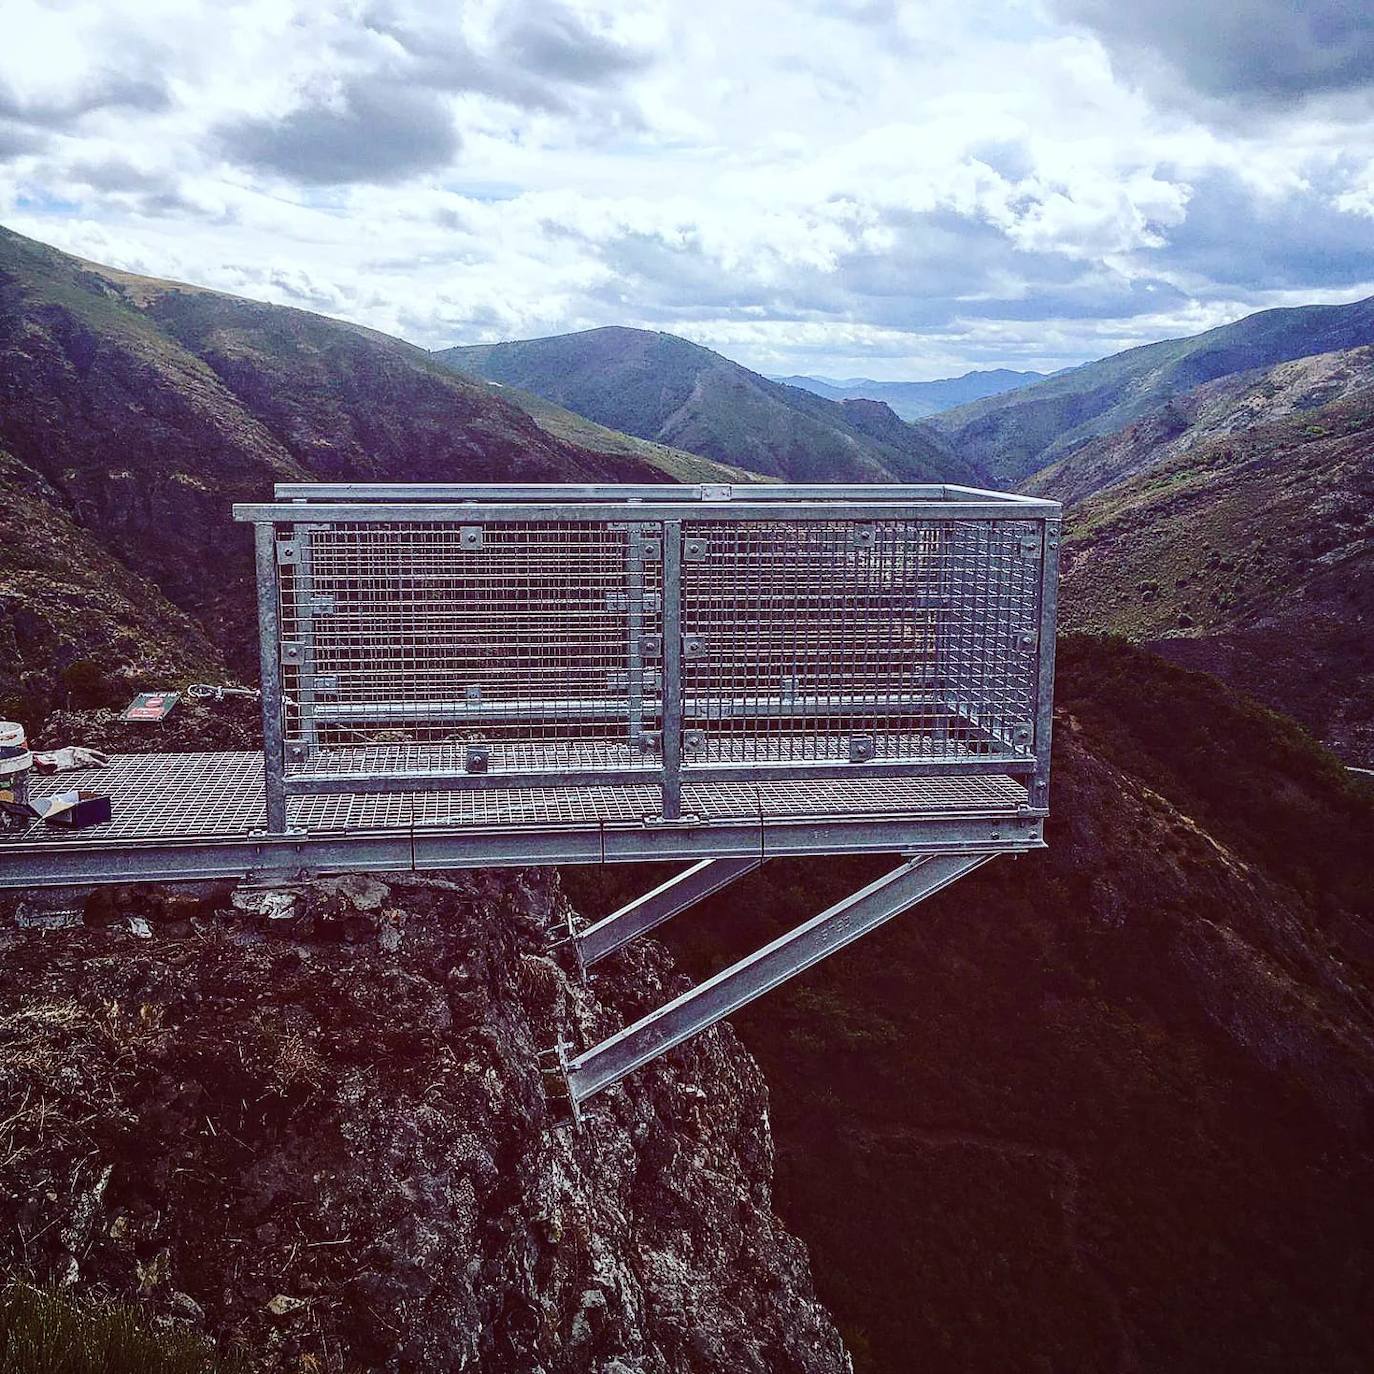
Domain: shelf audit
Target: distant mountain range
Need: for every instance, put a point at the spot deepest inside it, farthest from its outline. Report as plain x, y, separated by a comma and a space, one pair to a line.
667, 390
916, 400
1016, 434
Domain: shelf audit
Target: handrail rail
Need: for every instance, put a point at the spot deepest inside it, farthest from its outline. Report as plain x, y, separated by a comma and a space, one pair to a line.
657, 492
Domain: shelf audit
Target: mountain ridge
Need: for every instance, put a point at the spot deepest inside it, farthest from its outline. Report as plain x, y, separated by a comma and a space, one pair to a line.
136, 411
1017, 434
666, 389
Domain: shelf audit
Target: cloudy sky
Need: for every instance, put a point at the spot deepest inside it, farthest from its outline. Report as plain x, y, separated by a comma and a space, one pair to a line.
841, 187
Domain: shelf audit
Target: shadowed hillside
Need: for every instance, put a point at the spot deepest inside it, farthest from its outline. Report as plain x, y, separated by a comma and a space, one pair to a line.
1105, 1106
663, 388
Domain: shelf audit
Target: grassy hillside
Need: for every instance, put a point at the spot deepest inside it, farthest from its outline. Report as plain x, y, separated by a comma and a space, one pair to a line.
135, 411
667, 390
1252, 555
565, 424
1105, 1106
1227, 407
1017, 434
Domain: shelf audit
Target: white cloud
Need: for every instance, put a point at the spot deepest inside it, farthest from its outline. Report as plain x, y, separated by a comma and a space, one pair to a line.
863, 187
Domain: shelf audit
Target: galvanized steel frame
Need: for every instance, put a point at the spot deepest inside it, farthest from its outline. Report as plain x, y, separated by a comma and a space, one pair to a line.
303, 507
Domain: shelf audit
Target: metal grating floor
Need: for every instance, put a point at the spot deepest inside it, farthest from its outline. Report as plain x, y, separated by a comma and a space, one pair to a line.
168, 797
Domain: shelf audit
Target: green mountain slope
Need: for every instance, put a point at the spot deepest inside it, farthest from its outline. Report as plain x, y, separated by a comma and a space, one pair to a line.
136, 412
1023, 431
1104, 1107
562, 423
1227, 407
662, 388
1251, 554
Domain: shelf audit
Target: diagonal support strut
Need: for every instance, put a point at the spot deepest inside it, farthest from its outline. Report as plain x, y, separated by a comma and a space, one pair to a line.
667, 1027
682, 890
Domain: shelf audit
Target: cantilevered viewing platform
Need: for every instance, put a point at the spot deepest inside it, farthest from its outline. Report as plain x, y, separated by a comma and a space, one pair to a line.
463, 676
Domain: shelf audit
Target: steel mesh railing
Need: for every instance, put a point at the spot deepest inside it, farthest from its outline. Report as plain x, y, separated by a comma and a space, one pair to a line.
518, 639
843, 640
557, 643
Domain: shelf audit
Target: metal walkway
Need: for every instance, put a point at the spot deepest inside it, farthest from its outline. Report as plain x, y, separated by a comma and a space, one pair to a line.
191, 816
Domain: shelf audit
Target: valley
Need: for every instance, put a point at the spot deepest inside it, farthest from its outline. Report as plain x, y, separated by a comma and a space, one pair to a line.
1092, 1109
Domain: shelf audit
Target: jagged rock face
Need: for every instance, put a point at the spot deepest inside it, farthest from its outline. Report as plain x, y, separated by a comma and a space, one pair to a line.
317, 1125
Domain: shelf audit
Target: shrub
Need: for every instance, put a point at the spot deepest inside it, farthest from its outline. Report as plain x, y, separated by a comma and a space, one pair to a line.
46, 1331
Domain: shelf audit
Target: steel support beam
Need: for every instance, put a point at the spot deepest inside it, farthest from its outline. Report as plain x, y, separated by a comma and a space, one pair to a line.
667, 1027
643, 914
69, 861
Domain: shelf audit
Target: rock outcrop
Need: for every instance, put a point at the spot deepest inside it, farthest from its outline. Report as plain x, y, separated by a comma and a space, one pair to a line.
316, 1125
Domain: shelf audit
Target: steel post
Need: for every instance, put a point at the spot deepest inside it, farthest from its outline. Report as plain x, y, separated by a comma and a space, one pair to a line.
672, 670
269, 654
1044, 677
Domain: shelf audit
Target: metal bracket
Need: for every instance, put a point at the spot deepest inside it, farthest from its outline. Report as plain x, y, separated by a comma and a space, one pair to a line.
618, 679
863, 536
862, 748
695, 550
712, 491
553, 1070
693, 646
292, 652
693, 741
1030, 546
471, 536
477, 759
651, 646
288, 551
472, 692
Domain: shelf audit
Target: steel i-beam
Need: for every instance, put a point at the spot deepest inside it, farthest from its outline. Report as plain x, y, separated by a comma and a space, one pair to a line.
667, 1027
653, 908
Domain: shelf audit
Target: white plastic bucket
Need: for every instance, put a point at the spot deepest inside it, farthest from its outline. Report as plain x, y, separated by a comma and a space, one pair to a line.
16, 763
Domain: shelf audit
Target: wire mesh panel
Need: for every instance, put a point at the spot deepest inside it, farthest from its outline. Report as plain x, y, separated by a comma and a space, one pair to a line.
845, 641
989, 637
462, 648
